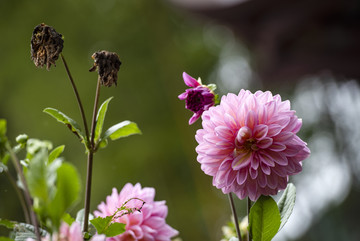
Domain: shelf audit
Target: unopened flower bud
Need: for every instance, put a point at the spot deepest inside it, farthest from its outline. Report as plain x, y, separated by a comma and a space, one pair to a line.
107, 65
46, 45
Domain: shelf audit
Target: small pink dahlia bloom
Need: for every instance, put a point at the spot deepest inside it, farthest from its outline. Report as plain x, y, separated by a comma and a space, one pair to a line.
147, 225
198, 98
249, 145
69, 233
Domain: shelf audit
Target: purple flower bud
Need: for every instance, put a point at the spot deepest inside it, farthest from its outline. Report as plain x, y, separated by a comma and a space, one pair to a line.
198, 98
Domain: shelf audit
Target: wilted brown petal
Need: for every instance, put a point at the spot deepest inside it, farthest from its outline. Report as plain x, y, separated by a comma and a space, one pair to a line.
46, 45
108, 65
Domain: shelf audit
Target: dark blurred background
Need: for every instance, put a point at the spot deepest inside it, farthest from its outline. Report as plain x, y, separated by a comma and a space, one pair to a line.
307, 51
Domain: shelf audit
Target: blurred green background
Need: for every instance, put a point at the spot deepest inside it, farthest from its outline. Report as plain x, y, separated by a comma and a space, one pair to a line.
156, 42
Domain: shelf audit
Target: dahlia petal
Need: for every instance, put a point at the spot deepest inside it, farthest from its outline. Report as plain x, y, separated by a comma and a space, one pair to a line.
242, 176
211, 138
252, 190
194, 118
183, 96
261, 180
230, 177
280, 171
292, 150
135, 218
272, 181
274, 130
265, 168
278, 157
278, 147
190, 81
260, 131
262, 115
225, 145
298, 126
250, 103
243, 134
255, 162
154, 222
265, 143
284, 137
217, 152
266, 159
270, 109
230, 121
137, 232
224, 132
242, 160
281, 120
253, 173
251, 120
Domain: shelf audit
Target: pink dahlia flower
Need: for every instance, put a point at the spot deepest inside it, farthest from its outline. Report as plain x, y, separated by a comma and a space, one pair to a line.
249, 145
148, 224
69, 233
198, 98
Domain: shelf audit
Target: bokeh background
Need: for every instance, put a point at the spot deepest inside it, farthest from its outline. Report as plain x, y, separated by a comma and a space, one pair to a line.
307, 51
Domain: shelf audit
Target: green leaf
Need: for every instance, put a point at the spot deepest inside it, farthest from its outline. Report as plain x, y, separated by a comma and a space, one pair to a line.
56, 153
36, 175
70, 123
24, 231
5, 239
2, 128
107, 227
264, 219
100, 119
7, 223
68, 219
122, 129
67, 192
80, 219
286, 203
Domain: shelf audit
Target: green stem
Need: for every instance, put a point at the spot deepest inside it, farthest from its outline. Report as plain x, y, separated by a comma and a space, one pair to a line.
19, 171
232, 205
249, 204
77, 96
21, 197
90, 160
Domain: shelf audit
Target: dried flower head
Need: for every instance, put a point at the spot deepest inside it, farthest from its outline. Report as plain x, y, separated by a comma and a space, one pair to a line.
108, 65
46, 45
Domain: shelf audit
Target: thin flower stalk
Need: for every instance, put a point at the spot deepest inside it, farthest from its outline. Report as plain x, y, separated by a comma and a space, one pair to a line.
19, 171
236, 221
90, 160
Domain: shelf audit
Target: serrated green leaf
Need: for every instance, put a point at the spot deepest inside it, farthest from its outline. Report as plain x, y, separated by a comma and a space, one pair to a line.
100, 119
107, 227
286, 203
67, 192
264, 219
5, 239
7, 223
70, 123
120, 130
56, 153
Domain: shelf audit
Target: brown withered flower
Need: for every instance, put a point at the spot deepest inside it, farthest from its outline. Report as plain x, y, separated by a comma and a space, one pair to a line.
108, 65
46, 45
